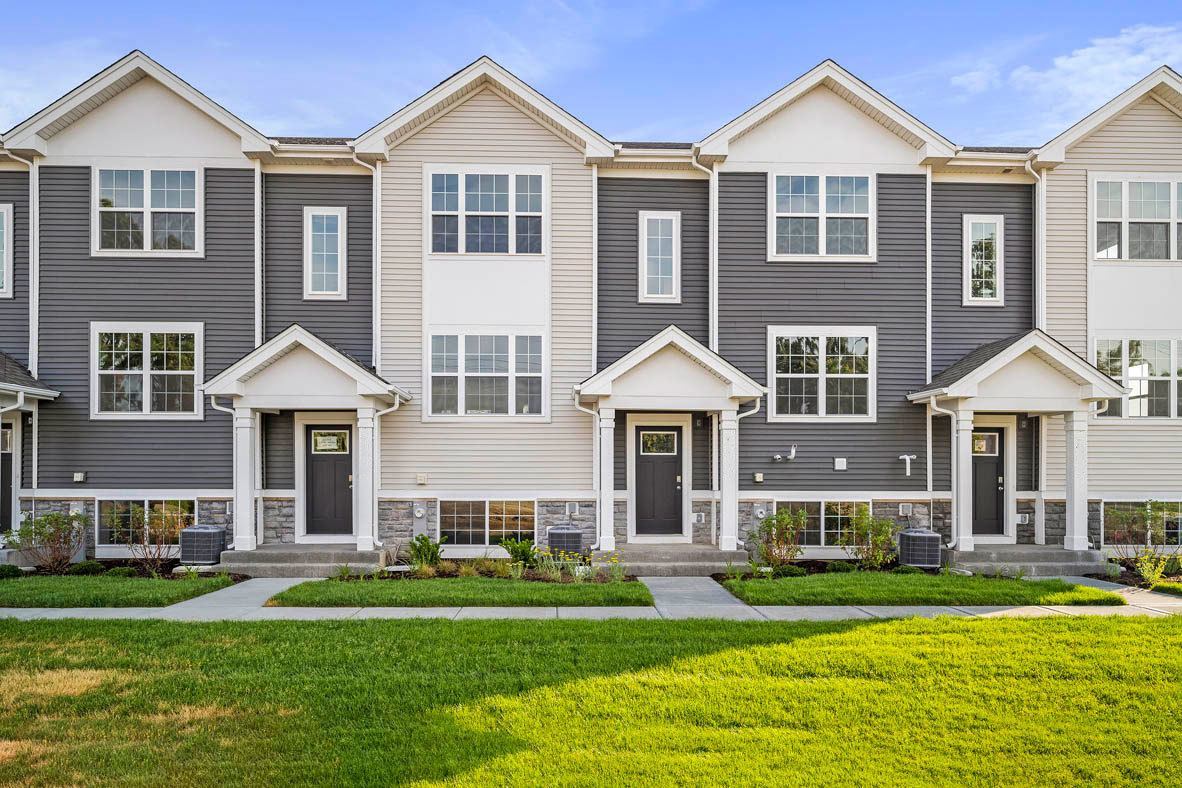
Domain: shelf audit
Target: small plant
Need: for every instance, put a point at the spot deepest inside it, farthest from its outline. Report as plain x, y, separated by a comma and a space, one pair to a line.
468, 570
485, 566
121, 571
1151, 566
869, 540
615, 570
1112, 570
906, 570
753, 566
840, 566
89, 567
448, 569
778, 536
424, 552
344, 572
500, 569
424, 572
516, 570
520, 550
51, 539
191, 572
1173, 566
788, 570
733, 572
8, 572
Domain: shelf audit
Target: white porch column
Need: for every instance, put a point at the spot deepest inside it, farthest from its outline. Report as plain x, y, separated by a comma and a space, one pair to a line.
245, 537
607, 479
728, 480
962, 480
1075, 425
363, 485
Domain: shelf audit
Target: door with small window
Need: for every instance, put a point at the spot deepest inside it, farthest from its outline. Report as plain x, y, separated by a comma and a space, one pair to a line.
6, 481
658, 481
988, 482
329, 489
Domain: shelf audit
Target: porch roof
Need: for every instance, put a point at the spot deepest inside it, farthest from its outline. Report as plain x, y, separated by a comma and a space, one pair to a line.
14, 378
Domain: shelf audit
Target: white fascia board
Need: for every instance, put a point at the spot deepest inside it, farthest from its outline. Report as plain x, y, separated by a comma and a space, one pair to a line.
1055, 151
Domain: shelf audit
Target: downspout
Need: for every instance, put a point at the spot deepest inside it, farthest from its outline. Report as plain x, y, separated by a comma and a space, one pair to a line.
952, 466
1040, 321
596, 478
714, 491
34, 258
375, 260
712, 176
258, 252
20, 401
376, 460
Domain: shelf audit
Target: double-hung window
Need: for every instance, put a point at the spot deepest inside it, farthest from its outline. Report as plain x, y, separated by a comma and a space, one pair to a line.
147, 211
131, 521
6, 250
983, 274
485, 522
827, 521
659, 275
486, 210
822, 373
828, 217
1137, 217
325, 276
1151, 369
487, 375
146, 370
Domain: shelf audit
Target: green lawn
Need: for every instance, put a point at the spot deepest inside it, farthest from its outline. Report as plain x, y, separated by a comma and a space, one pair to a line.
1169, 588
460, 592
1068, 702
99, 591
884, 588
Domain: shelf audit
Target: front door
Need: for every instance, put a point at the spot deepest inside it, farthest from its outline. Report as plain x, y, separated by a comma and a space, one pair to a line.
6, 478
988, 482
329, 488
658, 481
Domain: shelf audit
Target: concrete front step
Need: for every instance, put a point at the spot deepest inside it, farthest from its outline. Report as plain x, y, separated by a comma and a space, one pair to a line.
1032, 570
675, 569
308, 555
673, 560
285, 569
1029, 554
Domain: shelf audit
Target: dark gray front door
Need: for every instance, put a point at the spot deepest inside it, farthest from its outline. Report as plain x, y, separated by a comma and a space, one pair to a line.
658, 481
988, 482
6, 478
329, 489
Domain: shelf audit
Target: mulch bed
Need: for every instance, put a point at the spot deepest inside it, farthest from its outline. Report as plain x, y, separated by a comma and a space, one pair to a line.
165, 574
1129, 577
444, 572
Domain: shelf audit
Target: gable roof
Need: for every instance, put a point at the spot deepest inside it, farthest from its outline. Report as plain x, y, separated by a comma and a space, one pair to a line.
1163, 85
742, 385
470, 79
228, 381
15, 378
960, 379
31, 134
832, 76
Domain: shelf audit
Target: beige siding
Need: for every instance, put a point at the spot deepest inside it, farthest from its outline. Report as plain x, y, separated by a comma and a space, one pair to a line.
1125, 457
487, 457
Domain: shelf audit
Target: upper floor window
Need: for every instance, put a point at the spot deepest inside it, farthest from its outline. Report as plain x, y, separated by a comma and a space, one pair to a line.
486, 375
984, 260
324, 253
822, 373
1151, 368
1137, 218
146, 370
660, 257
6, 251
486, 210
827, 217
147, 211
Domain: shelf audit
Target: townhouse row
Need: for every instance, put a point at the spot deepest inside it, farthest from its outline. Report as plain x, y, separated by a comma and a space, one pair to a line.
481, 319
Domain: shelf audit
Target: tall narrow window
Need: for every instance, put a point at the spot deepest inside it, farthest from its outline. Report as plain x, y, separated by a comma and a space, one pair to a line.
821, 373
821, 216
984, 260
485, 210
150, 370
157, 211
6, 251
659, 274
325, 272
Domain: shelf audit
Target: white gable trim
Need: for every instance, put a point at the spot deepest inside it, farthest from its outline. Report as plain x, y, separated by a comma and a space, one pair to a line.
929, 143
231, 382
742, 386
483, 71
1162, 81
32, 135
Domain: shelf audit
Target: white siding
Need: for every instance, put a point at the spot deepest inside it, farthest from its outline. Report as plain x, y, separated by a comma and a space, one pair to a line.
1126, 458
481, 456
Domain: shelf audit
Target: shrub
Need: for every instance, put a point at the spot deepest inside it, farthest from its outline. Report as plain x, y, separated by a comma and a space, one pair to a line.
788, 570
449, 569
1112, 570
51, 539
424, 572
777, 537
869, 540
1173, 566
521, 551
424, 552
485, 566
839, 566
906, 570
85, 568
120, 571
501, 569
8, 571
468, 570
1151, 566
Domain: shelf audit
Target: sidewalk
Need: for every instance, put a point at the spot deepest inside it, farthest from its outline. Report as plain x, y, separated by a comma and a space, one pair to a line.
673, 597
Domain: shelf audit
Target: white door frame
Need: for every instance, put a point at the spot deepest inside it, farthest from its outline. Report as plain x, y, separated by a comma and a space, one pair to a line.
15, 419
1009, 427
302, 420
685, 421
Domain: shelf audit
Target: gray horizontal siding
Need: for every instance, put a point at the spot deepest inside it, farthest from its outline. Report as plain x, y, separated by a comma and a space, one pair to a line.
279, 450
889, 294
76, 289
347, 324
14, 312
623, 322
957, 329
701, 448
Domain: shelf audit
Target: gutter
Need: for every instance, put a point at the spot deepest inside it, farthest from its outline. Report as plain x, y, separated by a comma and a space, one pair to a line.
1040, 198
595, 460
376, 464
34, 255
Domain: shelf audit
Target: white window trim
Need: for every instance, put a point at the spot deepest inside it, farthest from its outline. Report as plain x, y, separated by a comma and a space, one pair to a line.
6, 210
1174, 378
1173, 253
967, 298
108, 550
485, 169
642, 296
147, 251
822, 332
477, 550
822, 502
149, 327
821, 216
461, 332
342, 291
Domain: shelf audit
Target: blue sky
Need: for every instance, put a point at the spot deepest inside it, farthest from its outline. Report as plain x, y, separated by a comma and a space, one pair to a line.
1000, 73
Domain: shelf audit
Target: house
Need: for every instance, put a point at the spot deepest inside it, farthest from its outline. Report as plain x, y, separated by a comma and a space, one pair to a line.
480, 319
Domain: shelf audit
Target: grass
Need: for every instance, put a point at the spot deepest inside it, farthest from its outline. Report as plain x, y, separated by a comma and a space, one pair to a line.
460, 592
884, 588
1169, 588
99, 591
1068, 702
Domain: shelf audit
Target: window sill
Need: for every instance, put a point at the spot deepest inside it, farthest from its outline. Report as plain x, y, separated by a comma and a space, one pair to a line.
149, 253
972, 302
822, 258
775, 419
539, 419
658, 300
485, 255
147, 416
1126, 262
326, 297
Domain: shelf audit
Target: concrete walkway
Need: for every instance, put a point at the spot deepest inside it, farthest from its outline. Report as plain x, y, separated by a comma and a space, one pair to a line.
673, 598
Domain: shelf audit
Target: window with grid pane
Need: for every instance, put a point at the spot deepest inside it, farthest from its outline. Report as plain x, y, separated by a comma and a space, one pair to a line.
146, 372
487, 196
821, 374
660, 256
811, 536
139, 521
510, 520
839, 516
6, 241
486, 212
462, 522
325, 263
984, 267
494, 375
1137, 218
147, 210
825, 216
1152, 371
